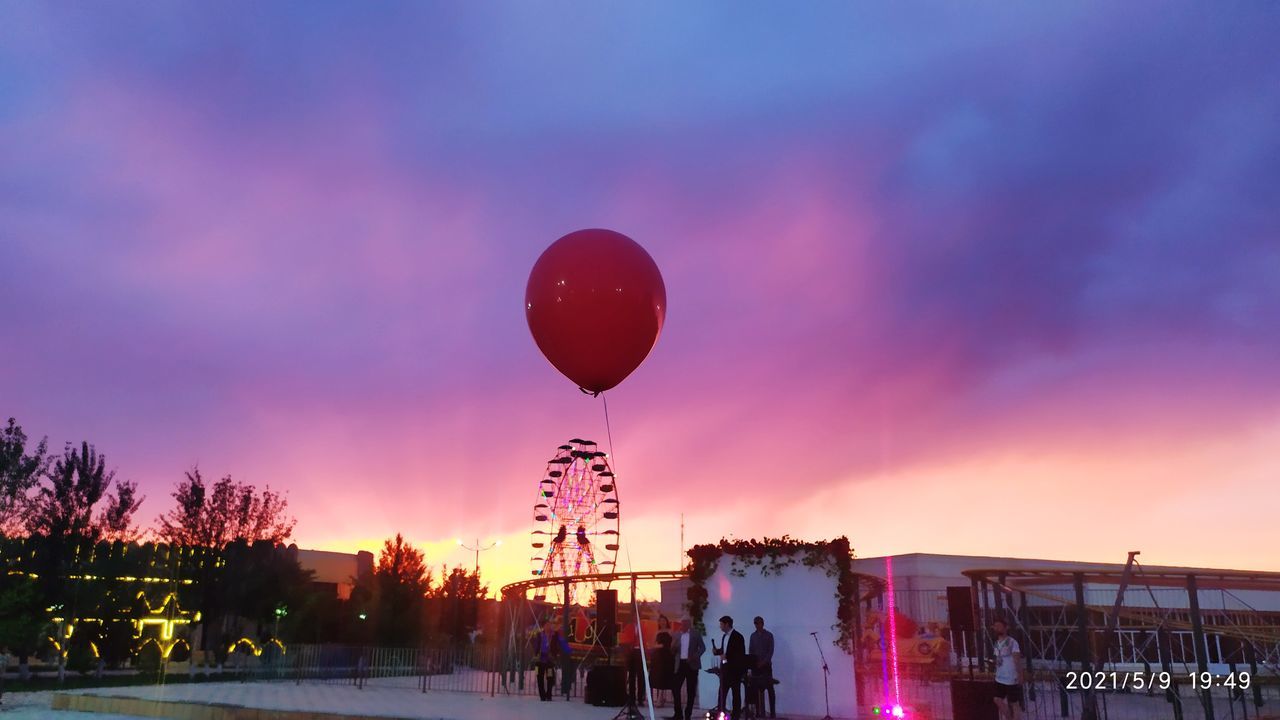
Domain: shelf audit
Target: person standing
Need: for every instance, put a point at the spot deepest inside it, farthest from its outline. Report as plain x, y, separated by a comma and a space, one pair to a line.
689, 650
662, 665
761, 648
635, 674
551, 646
733, 665
1009, 672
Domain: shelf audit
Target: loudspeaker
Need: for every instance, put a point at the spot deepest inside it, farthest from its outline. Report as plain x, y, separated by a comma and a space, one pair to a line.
606, 685
973, 699
960, 608
607, 617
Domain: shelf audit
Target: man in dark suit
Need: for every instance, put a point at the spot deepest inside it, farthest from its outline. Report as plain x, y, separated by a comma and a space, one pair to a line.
761, 648
688, 650
733, 664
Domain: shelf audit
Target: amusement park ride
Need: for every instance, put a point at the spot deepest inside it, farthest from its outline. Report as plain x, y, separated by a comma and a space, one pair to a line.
576, 519
575, 539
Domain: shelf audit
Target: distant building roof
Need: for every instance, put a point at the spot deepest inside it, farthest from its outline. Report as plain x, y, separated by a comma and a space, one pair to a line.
942, 565
336, 568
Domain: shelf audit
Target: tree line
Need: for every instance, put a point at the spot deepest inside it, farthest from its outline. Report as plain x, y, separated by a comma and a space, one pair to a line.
70, 549
408, 606
75, 495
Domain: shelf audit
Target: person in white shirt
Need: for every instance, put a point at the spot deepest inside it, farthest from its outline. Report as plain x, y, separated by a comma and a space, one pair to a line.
1009, 672
689, 649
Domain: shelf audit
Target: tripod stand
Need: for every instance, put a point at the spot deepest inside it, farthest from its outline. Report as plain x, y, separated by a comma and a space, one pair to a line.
630, 711
826, 673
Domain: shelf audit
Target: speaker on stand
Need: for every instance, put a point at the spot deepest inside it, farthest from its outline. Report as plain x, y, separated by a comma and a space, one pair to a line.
607, 683
607, 618
960, 611
960, 608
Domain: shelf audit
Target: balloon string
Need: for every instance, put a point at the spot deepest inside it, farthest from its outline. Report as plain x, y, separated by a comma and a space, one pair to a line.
635, 602
607, 427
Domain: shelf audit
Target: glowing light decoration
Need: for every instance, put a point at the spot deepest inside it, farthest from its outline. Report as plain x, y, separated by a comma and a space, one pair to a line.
893, 636
576, 518
253, 648
121, 578
167, 616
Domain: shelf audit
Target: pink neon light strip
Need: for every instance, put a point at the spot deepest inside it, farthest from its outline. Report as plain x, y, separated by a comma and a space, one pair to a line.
893, 630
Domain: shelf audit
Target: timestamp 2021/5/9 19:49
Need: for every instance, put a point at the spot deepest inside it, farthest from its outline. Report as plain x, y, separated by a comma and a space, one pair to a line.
1111, 681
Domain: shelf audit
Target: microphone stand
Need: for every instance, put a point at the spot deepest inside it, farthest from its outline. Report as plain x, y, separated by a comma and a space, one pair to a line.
826, 672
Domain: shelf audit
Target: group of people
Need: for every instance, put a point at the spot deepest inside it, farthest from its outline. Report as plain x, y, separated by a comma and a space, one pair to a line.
676, 662
674, 666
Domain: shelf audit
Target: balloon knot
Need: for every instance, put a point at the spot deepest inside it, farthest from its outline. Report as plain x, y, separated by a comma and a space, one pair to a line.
588, 392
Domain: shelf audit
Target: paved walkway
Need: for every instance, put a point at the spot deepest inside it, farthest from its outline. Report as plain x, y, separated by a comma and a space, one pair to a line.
380, 701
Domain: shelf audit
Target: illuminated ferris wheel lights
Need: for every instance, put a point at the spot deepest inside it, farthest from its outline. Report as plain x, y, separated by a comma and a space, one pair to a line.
578, 504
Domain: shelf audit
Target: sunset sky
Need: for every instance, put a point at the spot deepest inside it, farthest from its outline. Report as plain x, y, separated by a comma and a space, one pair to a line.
960, 278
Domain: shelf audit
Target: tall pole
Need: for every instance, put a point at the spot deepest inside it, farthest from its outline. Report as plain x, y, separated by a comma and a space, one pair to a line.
1089, 707
682, 562
1201, 642
977, 627
478, 548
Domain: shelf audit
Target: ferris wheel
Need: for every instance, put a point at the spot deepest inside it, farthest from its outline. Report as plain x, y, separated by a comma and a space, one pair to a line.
576, 517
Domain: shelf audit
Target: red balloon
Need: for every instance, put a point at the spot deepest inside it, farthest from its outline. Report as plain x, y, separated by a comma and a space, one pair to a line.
595, 305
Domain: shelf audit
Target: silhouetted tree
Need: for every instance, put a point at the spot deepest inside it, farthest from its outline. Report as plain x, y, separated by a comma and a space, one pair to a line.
23, 619
462, 584
257, 579
19, 472
212, 516
401, 583
64, 528
458, 596
230, 518
116, 519
78, 480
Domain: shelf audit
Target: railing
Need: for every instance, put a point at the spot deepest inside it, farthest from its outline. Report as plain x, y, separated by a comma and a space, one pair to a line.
1059, 650
476, 669
1055, 645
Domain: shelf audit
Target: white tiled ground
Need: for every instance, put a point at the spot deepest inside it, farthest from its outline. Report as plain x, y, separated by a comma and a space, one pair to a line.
383, 701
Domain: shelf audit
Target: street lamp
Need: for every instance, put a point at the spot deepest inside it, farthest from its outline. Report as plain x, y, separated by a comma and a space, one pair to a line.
281, 611
478, 548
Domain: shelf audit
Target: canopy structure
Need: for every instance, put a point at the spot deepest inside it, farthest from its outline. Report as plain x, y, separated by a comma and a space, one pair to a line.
1095, 619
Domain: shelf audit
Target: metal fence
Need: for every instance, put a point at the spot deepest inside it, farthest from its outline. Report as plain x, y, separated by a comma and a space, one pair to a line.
476, 669
1056, 647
